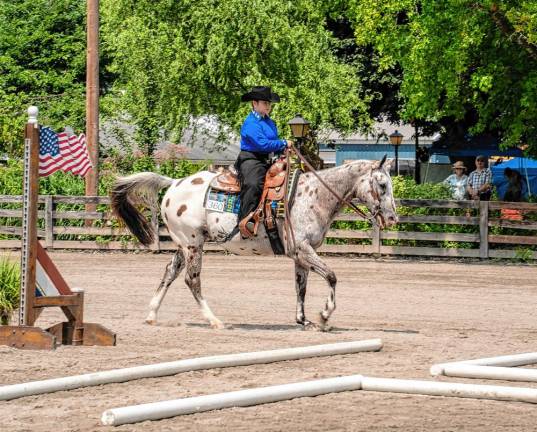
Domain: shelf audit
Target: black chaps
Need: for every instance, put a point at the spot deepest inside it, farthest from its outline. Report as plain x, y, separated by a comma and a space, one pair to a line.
252, 169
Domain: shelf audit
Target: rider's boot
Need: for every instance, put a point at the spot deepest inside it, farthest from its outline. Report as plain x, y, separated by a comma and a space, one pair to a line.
246, 227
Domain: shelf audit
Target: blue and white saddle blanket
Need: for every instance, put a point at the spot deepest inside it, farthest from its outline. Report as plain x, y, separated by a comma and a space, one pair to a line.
223, 202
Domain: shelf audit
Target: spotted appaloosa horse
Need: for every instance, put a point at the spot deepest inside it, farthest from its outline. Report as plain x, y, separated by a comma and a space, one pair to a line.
190, 225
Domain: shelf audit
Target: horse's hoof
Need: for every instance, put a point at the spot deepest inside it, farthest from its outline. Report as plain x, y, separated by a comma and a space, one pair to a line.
323, 323
218, 325
325, 328
308, 325
151, 320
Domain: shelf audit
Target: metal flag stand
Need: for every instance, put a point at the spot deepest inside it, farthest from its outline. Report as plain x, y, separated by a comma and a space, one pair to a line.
42, 285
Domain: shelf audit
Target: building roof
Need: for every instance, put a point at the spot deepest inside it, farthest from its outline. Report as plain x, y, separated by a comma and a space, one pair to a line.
203, 140
378, 135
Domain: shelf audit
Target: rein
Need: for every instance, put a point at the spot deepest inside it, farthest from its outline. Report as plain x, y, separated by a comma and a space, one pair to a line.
287, 223
333, 192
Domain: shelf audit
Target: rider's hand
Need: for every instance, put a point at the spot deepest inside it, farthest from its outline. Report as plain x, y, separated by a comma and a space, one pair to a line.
289, 143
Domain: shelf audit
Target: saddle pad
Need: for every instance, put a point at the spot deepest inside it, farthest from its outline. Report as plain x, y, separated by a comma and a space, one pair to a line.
222, 201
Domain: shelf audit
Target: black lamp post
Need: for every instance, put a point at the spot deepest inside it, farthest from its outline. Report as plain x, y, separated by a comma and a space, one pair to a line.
299, 128
395, 139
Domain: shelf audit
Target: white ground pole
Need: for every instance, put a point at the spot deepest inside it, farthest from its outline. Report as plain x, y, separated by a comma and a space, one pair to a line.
491, 368
14, 391
434, 388
257, 396
241, 398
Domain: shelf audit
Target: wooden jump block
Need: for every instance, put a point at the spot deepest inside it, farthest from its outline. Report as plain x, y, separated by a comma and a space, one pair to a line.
27, 337
42, 284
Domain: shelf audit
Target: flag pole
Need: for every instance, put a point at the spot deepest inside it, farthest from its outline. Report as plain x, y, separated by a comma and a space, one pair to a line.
92, 98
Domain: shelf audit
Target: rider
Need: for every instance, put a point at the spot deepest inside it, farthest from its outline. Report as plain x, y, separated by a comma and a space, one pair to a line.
259, 138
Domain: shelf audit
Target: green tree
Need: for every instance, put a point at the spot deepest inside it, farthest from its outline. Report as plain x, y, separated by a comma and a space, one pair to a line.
380, 84
462, 60
184, 58
43, 63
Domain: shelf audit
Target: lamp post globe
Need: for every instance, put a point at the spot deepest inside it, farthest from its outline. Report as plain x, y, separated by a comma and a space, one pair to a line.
395, 139
299, 128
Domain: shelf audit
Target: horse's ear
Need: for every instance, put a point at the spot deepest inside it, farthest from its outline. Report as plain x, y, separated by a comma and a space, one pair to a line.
383, 160
379, 164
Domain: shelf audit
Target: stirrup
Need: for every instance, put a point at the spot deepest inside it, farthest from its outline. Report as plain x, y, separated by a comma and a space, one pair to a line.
246, 227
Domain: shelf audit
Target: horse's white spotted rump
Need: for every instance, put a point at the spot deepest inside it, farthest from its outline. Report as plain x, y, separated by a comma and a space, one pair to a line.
190, 225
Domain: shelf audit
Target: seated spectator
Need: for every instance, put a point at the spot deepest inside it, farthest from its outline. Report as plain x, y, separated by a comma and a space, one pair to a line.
514, 185
513, 194
480, 181
457, 182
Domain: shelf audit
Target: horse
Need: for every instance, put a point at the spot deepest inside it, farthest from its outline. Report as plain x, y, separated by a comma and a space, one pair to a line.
190, 225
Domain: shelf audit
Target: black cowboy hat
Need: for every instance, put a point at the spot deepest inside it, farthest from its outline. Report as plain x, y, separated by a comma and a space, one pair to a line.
260, 93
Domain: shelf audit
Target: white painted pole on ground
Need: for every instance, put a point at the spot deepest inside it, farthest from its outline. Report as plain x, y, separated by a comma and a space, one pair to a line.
172, 368
435, 388
507, 361
255, 396
490, 372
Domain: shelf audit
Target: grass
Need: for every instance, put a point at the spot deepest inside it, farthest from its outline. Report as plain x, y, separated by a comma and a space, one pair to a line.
9, 288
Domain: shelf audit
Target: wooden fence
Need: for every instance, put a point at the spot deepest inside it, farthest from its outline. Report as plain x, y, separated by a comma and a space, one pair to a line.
489, 231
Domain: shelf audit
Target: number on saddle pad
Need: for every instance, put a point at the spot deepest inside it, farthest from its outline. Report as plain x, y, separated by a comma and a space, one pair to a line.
222, 201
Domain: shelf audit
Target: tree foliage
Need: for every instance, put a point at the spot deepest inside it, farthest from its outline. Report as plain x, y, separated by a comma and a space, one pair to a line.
453, 63
184, 58
462, 60
380, 84
42, 62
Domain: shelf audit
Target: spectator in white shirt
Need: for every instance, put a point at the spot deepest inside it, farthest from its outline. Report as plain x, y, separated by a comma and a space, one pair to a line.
458, 181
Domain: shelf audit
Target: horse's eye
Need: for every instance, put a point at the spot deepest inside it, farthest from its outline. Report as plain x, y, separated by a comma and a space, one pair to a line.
382, 187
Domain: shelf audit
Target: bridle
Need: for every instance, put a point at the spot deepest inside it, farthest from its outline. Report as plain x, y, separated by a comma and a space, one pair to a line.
288, 226
376, 198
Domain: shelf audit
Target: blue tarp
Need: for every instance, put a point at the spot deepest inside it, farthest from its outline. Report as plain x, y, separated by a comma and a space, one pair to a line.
527, 169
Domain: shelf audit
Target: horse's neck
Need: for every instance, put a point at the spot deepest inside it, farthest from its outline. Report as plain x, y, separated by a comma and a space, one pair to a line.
343, 180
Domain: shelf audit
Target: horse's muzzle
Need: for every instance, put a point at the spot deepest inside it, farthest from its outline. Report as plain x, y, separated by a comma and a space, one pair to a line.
386, 222
392, 220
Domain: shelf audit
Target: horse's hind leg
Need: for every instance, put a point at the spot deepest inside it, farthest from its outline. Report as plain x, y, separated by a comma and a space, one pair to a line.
308, 258
301, 281
193, 281
173, 269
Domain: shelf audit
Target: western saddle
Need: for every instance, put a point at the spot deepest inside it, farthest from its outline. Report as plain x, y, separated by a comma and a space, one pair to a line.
273, 190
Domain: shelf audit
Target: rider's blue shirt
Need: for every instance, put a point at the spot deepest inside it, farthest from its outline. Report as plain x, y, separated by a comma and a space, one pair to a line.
260, 135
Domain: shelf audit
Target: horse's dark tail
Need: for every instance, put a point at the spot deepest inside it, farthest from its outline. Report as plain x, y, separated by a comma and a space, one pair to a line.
128, 193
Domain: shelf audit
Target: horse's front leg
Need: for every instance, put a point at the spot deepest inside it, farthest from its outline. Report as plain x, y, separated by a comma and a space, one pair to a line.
193, 281
301, 281
173, 269
308, 258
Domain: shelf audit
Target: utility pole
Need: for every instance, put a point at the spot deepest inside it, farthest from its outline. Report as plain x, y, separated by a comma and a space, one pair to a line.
92, 97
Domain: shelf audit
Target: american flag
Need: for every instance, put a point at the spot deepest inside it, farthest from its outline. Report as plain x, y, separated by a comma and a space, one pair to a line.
61, 151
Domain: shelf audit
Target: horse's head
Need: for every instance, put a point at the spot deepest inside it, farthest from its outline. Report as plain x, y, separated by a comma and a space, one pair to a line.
377, 193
